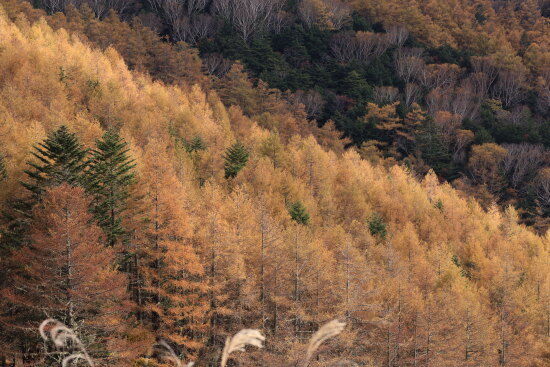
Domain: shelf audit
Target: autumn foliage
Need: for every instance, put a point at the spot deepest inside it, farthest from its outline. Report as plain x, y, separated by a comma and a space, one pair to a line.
301, 234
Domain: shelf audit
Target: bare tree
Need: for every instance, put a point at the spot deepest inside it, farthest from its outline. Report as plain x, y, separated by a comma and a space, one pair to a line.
411, 93
184, 19
53, 6
192, 29
307, 11
408, 63
247, 16
439, 75
361, 46
509, 86
486, 65
365, 45
382, 44
178, 7
224, 8
541, 186
484, 74
279, 20
397, 35
101, 7
195, 6
523, 161
481, 83
216, 64
438, 99
385, 95
447, 123
338, 13
543, 94
313, 102
464, 101
342, 45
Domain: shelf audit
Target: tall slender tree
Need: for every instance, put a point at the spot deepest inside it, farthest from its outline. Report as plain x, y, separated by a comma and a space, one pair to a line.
61, 275
171, 293
109, 179
60, 158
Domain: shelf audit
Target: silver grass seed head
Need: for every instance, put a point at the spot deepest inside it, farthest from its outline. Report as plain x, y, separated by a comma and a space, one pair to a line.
62, 337
327, 331
239, 341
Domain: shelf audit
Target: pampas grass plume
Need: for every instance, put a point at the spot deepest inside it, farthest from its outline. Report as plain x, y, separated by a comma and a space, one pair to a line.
239, 341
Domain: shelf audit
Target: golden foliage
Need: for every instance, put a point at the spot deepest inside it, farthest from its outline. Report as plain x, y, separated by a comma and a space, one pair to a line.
449, 278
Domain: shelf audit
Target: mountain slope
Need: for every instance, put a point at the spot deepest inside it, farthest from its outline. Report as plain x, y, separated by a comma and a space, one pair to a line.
421, 274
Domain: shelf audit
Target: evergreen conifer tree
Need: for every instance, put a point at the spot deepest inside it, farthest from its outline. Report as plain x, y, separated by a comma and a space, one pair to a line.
60, 160
194, 145
377, 227
432, 148
236, 157
109, 178
298, 213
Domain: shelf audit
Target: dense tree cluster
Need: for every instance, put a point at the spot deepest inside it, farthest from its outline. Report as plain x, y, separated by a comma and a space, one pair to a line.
483, 79
128, 229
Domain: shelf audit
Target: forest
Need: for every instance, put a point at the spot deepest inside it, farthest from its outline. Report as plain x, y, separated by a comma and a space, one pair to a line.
199, 176
461, 81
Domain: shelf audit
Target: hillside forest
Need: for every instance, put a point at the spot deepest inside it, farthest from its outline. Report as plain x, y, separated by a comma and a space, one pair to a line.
175, 171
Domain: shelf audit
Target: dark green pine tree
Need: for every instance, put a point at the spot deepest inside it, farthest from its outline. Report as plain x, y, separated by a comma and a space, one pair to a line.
298, 213
236, 157
108, 179
433, 149
60, 159
195, 145
377, 227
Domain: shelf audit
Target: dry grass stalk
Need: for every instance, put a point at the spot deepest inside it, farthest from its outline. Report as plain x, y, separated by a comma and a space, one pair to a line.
167, 352
63, 337
239, 341
327, 331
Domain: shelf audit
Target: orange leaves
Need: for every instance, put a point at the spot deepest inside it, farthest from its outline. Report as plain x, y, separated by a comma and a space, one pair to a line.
69, 275
208, 258
385, 117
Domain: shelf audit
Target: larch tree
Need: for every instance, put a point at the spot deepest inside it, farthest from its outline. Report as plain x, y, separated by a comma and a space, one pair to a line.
172, 290
65, 273
385, 118
224, 268
411, 123
109, 179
